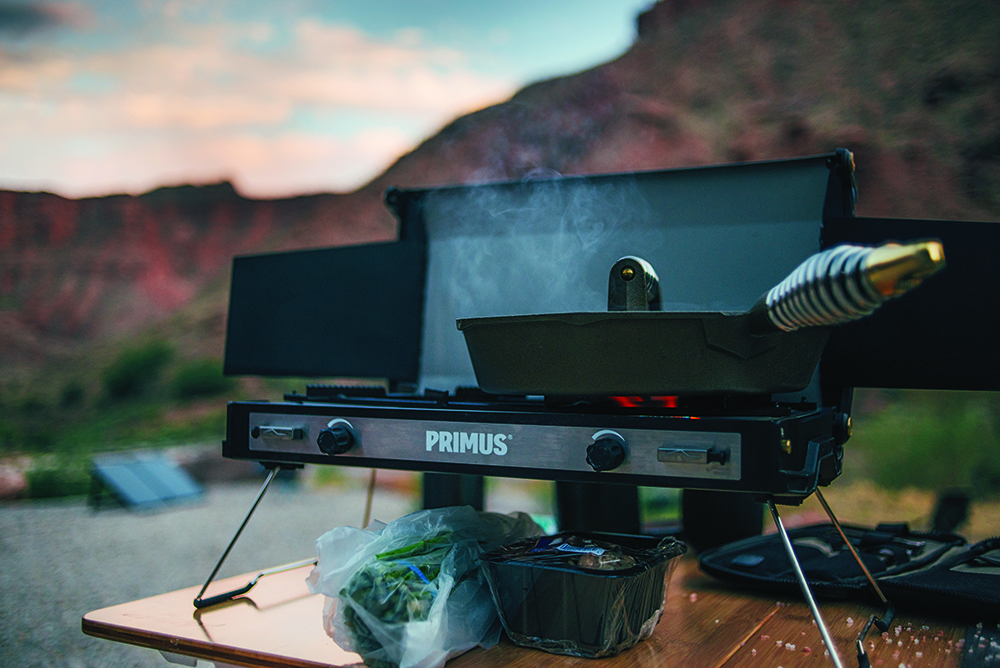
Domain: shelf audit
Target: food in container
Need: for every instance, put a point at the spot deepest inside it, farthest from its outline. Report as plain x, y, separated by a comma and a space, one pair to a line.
581, 594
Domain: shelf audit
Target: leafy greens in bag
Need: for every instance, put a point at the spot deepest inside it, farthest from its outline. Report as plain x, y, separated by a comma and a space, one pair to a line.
410, 593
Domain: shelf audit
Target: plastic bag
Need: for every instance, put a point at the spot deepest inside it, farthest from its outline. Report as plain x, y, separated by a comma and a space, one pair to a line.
410, 593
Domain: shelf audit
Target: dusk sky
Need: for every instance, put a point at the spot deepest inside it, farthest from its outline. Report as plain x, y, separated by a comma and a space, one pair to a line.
280, 97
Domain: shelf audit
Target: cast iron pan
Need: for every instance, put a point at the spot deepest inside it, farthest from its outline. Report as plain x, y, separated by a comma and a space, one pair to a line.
774, 347
638, 353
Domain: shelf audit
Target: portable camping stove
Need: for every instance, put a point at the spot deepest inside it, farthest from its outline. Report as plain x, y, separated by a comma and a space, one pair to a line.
712, 241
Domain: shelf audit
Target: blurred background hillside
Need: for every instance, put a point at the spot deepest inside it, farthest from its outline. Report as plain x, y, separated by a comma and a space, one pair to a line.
113, 306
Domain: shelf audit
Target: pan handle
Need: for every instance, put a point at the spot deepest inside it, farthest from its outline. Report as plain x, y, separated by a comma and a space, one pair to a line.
845, 283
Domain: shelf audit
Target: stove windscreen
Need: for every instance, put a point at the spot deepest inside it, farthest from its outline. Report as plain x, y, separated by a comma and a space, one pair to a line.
718, 237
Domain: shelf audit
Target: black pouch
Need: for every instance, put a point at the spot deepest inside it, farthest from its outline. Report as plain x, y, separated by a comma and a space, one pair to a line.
925, 571
965, 581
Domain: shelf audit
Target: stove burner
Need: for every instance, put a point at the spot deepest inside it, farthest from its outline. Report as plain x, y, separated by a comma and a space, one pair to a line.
692, 407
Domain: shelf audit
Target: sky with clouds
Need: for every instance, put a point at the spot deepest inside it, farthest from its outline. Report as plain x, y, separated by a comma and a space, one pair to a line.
281, 97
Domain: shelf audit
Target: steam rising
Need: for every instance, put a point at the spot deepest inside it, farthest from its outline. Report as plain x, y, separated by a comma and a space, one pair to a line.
533, 247
717, 237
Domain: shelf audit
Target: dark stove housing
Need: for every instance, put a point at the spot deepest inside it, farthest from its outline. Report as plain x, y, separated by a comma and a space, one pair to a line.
718, 237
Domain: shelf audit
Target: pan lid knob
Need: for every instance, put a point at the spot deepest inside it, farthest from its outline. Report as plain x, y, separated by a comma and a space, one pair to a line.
633, 286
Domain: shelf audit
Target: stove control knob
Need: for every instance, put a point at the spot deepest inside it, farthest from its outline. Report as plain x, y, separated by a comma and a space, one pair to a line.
607, 452
337, 438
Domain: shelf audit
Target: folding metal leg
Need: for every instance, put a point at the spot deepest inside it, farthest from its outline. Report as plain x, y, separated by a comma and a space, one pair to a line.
890, 611
804, 585
881, 623
204, 603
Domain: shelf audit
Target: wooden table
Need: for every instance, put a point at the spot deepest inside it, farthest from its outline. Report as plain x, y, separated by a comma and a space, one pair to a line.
706, 623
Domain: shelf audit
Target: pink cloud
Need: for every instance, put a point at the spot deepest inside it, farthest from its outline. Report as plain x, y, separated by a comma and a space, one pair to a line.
205, 105
284, 165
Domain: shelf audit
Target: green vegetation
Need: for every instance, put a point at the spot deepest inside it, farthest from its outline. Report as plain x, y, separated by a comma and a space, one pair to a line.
72, 394
136, 369
660, 506
930, 440
61, 441
201, 378
144, 395
57, 477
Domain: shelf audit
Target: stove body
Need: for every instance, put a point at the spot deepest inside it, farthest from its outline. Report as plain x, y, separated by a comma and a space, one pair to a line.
781, 450
718, 237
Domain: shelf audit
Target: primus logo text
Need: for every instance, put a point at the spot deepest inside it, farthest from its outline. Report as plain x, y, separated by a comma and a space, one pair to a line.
459, 441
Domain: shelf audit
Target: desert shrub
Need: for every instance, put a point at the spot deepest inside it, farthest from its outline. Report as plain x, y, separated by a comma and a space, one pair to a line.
32, 435
202, 378
57, 480
933, 441
185, 428
10, 436
136, 369
72, 394
39, 437
32, 404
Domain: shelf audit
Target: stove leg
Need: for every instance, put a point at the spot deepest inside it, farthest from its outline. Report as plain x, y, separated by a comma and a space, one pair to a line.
272, 472
804, 585
890, 611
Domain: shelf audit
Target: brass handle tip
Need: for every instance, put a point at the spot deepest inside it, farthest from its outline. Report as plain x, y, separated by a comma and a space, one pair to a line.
893, 268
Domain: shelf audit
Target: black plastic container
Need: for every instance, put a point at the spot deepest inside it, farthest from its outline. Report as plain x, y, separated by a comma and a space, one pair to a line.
547, 600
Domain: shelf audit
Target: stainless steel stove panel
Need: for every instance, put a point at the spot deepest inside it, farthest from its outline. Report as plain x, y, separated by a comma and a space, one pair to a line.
652, 452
